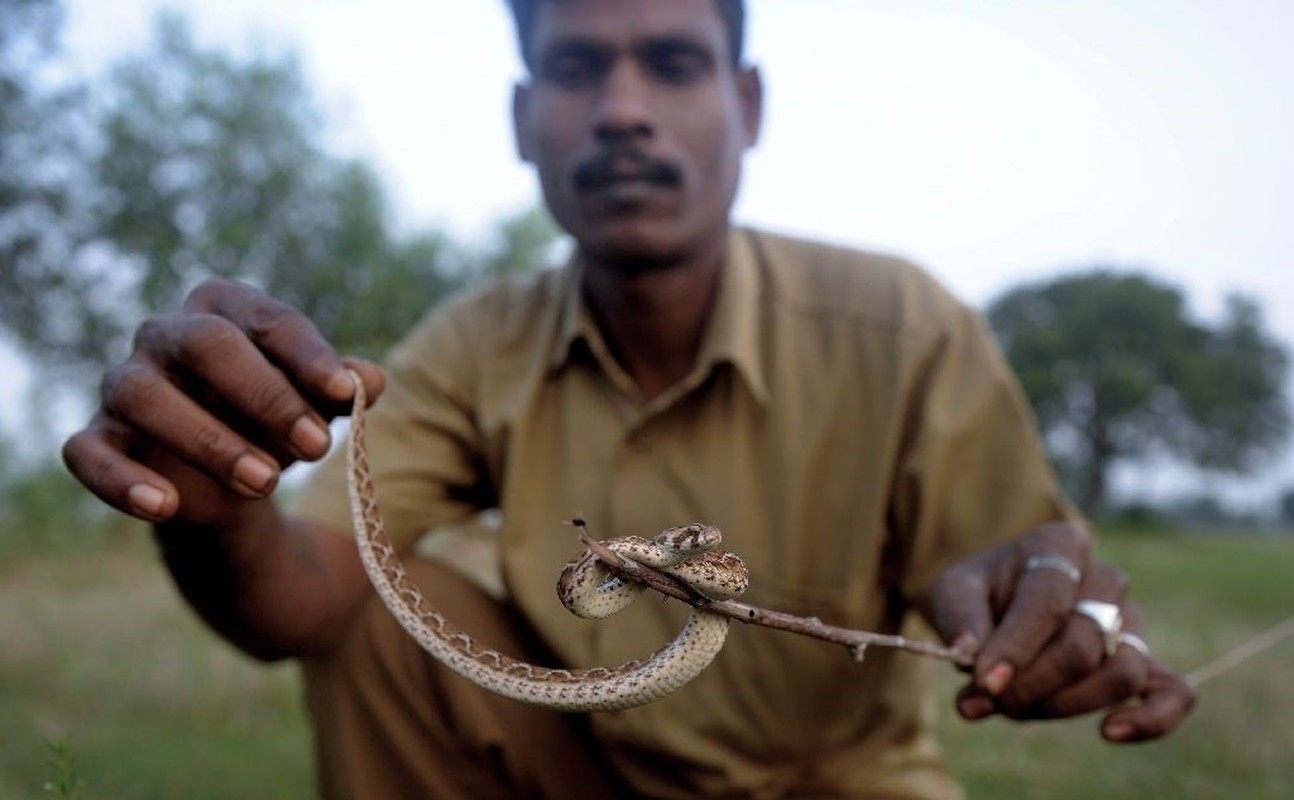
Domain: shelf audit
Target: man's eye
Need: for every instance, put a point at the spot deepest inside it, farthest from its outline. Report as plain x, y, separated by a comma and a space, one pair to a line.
567, 72
680, 69
679, 66
572, 70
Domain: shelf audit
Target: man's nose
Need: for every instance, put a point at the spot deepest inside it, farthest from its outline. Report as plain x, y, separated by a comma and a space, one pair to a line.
624, 106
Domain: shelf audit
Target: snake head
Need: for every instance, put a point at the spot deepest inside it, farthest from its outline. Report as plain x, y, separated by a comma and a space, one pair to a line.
691, 537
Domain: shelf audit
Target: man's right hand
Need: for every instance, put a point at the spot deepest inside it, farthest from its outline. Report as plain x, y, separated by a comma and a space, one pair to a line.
213, 402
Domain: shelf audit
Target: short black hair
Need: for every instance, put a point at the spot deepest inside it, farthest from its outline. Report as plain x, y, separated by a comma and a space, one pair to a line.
733, 13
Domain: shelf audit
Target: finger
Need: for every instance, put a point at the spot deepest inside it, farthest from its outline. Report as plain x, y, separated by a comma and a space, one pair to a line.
1164, 702
372, 375
1115, 680
1038, 605
959, 605
1076, 651
227, 370
97, 457
140, 397
286, 336
1119, 678
290, 341
974, 703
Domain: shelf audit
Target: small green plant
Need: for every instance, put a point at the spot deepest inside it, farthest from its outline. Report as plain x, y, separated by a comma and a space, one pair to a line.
65, 783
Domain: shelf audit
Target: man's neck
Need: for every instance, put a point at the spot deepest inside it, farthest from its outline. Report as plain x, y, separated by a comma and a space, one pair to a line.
654, 320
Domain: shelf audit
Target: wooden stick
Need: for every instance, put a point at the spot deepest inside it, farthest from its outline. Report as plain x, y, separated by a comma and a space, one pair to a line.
856, 641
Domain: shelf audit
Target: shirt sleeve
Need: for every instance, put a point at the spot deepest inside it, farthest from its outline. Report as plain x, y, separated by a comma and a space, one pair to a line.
423, 442
973, 472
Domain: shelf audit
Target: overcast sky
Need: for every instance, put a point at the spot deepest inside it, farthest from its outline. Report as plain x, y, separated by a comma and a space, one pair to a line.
991, 141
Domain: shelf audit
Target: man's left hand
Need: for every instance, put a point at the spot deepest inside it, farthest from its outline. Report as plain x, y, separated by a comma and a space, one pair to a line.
1053, 636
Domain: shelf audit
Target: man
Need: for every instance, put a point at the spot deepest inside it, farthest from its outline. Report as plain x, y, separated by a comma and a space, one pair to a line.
849, 426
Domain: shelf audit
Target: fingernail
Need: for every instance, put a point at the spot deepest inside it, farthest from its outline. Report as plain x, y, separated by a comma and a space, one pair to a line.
147, 500
254, 475
998, 678
1118, 731
974, 707
341, 386
309, 439
966, 643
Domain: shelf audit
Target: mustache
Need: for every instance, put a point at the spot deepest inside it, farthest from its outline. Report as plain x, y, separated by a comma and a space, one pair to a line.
616, 165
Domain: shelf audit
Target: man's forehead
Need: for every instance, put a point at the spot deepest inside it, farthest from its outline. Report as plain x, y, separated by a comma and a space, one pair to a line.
623, 22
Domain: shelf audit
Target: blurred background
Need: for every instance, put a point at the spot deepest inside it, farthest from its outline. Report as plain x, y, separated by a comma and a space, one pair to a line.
1108, 182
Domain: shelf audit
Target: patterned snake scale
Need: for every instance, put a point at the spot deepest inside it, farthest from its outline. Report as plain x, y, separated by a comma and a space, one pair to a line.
586, 587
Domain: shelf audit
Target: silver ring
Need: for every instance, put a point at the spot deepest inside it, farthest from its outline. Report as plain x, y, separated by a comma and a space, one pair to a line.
1056, 562
1135, 642
1107, 617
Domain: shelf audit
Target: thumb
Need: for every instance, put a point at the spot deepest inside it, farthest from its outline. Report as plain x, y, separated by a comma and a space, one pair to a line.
958, 606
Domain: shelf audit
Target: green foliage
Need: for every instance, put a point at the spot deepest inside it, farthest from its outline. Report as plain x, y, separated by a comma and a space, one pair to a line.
41, 152
65, 782
43, 510
209, 165
27, 47
1116, 369
193, 163
522, 243
1286, 509
100, 652
214, 166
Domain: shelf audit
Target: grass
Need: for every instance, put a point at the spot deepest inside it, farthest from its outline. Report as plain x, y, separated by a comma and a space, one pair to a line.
109, 688
103, 661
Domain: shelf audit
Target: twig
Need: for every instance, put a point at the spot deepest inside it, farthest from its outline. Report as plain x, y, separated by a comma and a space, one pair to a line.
858, 641
855, 641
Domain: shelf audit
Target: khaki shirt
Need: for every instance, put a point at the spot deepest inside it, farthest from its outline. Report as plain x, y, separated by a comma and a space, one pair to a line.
850, 426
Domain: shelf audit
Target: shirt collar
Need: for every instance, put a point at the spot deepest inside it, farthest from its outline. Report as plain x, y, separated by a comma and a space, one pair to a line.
735, 328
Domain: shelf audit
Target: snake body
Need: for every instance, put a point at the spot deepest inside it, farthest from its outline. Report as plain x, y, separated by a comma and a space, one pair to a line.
586, 587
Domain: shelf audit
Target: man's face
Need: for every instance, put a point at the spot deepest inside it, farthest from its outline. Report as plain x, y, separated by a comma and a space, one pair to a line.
636, 123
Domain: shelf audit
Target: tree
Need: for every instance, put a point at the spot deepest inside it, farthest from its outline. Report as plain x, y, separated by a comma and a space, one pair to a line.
522, 243
1116, 369
27, 44
198, 163
40, 156
210, 165
1285, 507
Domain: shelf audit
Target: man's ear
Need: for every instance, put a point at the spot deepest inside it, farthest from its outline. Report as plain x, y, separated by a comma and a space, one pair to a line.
750, 94
522, 133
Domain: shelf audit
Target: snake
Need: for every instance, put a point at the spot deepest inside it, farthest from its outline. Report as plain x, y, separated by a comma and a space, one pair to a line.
586, 587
